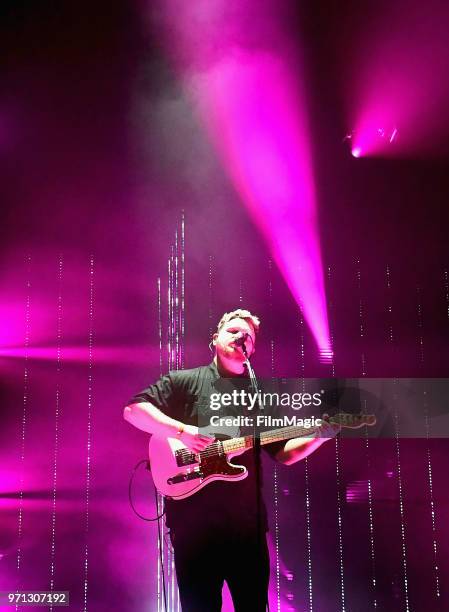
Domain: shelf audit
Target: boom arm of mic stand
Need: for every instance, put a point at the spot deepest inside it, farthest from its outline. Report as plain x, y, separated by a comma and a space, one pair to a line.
256, 446
251, 373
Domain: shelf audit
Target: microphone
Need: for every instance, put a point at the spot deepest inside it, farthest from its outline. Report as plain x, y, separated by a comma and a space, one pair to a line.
240, 341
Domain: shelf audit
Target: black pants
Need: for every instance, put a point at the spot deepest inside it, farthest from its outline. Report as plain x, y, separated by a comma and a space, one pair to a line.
205, 559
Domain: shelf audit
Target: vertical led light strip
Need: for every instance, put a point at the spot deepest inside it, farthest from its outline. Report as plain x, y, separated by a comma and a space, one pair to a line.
420, 327
159, 498
337, 466
361, 317
309, 534
275, 469
446, 290
159, 323
398, 450
420, 323
168, 314
176, 308
89, 426
168, 555
302, 365
276, 534
331, 331
24, 420
211, 310
176, 360
57, 411
182, 314
170, 307
241, 283
302, 370
367, 447
389, 308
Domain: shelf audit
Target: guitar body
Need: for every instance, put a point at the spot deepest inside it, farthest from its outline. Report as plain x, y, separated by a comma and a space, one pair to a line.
178, 473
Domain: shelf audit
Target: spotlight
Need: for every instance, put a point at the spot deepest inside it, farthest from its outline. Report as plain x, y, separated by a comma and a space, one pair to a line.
355, 150
370, 139
326, 355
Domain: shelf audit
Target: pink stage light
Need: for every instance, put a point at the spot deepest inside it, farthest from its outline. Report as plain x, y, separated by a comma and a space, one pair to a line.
81, 354
326, 355
399, 80
369, 137
256, 116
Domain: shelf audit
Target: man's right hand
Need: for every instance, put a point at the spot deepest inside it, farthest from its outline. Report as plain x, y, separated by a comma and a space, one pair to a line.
194, 440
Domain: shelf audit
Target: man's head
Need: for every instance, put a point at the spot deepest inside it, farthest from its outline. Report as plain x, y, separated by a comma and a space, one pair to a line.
230, 328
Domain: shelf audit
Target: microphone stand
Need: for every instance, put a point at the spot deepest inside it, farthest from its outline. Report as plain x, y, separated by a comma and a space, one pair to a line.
257, 449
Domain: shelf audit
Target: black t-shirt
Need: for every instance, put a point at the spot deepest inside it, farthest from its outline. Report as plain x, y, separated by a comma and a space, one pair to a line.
185, 395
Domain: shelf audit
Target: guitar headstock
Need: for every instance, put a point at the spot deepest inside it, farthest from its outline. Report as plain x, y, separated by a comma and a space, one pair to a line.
351, 421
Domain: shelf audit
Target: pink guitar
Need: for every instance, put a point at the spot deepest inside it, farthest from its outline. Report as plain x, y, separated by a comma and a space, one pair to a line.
178, 472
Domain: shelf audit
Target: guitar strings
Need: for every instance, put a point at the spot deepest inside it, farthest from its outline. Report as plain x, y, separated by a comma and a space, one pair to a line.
237, 443
217, 448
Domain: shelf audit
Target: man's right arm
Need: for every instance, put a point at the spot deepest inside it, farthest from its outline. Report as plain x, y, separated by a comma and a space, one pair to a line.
148, 418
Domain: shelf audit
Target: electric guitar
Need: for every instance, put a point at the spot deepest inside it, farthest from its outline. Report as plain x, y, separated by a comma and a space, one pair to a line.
179, 473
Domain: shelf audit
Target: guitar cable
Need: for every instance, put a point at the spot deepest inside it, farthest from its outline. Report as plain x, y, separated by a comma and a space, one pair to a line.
133, 473
150, 520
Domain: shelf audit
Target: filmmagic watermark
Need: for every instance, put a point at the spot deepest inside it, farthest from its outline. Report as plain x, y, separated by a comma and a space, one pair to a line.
373, 407
265, 420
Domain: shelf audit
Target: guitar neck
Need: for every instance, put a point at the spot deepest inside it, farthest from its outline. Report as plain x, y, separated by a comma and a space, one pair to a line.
267, 437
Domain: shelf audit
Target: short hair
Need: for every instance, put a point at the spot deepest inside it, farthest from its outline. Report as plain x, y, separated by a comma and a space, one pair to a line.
239, 314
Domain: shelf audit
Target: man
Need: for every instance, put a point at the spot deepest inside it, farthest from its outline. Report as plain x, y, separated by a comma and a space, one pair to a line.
218, 533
